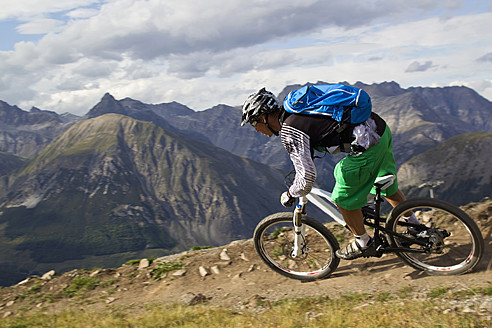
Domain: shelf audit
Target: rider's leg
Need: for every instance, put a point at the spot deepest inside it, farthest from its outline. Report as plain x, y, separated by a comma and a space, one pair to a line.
354, 179
362, 245
355, 221
397, 198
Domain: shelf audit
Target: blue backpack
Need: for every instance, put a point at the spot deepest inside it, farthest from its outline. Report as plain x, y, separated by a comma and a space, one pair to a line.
343, 103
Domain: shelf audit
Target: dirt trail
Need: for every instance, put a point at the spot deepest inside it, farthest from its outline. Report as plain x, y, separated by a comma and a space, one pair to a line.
239, 282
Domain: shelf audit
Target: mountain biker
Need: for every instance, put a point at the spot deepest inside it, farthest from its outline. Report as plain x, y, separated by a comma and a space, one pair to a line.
370, 155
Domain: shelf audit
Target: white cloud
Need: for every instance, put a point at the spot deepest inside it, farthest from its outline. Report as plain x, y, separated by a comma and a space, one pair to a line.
40, 26
82, 13
202, 53
25, 9
418, 67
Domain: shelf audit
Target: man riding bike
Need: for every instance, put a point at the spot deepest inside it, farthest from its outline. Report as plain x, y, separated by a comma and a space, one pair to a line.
369, 155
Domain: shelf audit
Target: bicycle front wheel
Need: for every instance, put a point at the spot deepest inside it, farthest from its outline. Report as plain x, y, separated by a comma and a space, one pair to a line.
449, 242
274, 241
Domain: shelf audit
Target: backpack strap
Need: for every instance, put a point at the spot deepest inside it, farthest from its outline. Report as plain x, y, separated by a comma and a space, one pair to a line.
345, 132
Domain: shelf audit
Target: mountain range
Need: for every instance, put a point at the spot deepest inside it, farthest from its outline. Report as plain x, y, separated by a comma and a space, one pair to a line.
132, 179
115, 185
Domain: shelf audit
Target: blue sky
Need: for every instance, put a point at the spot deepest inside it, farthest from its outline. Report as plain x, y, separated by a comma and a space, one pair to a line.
9, 36
65, 55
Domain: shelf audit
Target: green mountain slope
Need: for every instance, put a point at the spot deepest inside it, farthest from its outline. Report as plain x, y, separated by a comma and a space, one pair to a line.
112, 185
461, 166
8, 163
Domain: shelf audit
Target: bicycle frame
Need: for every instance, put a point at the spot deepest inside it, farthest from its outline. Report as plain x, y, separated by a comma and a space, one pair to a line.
322, 199
308, 250
316, 197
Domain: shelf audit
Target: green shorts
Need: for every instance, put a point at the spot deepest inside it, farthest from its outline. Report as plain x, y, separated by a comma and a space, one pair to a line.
355, 176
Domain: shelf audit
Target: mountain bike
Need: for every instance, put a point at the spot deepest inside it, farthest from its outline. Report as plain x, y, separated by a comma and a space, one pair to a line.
447, 242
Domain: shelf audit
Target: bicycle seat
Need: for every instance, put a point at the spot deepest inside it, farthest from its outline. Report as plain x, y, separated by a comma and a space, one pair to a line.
384, 181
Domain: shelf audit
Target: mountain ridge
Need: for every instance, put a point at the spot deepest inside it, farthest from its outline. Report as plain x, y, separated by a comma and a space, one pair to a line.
453, 165
24, 133
108, 176
124, 161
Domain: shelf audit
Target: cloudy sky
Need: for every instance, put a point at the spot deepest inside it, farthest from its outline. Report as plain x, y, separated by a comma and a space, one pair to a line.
65, 55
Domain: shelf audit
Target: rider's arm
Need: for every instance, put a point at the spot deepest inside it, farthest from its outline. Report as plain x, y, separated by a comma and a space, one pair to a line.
297, 144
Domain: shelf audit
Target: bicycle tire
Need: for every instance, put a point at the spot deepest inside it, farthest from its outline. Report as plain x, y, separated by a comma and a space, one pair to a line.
273, 240
455, 254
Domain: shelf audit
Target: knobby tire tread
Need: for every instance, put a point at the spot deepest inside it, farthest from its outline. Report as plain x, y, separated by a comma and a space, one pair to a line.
457, 212
282, 216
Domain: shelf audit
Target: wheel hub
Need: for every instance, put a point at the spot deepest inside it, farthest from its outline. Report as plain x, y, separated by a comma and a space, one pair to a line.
288, 250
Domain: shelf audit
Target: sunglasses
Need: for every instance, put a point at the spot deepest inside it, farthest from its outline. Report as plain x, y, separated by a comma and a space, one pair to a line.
256, 120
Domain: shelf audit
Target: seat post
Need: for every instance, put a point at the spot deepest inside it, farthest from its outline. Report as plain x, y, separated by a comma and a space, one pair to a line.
377, 212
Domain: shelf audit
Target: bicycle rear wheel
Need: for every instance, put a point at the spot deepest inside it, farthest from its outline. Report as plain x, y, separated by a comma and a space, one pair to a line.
454, 244
274, 240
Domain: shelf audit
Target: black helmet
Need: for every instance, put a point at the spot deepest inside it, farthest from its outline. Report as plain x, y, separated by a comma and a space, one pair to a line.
258, 103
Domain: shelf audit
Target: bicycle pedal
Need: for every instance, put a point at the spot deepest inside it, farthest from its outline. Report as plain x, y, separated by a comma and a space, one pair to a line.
372, 253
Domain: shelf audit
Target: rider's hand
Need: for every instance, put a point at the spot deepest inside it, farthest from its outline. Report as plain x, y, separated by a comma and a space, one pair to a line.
286, 199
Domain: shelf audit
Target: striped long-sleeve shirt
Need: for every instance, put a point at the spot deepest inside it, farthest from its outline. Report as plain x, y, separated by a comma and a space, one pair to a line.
301, 133
297, 144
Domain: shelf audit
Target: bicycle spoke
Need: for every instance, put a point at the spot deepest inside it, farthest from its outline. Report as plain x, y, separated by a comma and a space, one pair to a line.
453, 241
316, 258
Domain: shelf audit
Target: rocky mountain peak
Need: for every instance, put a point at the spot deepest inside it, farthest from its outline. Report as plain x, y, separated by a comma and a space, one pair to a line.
24, 133
384, 89
108, 104
10, 115
119, 180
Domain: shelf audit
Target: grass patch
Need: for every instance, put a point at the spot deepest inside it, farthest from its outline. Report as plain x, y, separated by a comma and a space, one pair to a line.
384, 297
459, 294
132, 262
381, 310
79, 285
355, 297
109, 282
349, 310
438, 292
31, 291
137, 261
276, 233
163, 268
197, 248
404, 292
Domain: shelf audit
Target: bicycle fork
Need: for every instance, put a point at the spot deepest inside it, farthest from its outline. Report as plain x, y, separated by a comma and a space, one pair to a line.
299, 247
